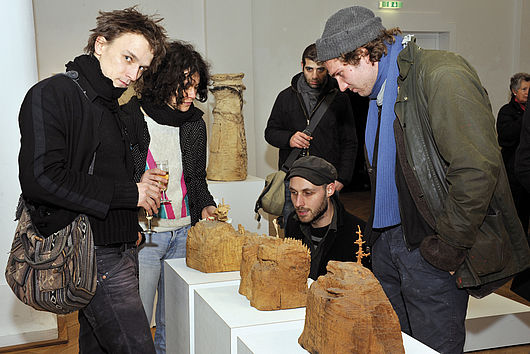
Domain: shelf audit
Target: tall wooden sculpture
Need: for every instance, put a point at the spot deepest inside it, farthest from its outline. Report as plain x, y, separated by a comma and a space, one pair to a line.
228, 144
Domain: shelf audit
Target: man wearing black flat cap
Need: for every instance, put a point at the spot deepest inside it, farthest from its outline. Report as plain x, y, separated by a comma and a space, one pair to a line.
319, 219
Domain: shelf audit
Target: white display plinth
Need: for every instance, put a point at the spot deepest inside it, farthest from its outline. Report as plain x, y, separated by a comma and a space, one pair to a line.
221, 314
22, 324
241, 196
180, 284
496, 321
284, 340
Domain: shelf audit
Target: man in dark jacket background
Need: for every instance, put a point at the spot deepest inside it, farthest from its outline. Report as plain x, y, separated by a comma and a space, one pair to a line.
334, 139
320, 220
75, 158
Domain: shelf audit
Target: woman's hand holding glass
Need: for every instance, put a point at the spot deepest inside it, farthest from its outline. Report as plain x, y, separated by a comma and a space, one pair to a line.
163, 165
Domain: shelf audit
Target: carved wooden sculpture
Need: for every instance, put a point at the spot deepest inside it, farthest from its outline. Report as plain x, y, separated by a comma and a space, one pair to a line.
221, 212
214, 246
348, 312
274, 272
228, 145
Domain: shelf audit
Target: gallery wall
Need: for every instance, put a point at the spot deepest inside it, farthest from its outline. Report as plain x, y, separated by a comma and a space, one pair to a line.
264, 39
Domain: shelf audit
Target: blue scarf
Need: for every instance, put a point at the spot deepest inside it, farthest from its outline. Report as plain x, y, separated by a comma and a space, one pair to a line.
386, 210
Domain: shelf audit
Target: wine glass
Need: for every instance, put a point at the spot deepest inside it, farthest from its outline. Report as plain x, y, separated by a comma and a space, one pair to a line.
149, 217
164, 166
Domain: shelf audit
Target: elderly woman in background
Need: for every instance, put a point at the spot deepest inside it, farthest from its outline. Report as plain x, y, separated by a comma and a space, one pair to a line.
509, 122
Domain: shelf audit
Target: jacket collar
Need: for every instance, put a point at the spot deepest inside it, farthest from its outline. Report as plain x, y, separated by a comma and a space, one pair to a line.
406, 59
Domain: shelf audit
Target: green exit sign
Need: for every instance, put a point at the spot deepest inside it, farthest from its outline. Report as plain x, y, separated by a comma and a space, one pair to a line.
390, 4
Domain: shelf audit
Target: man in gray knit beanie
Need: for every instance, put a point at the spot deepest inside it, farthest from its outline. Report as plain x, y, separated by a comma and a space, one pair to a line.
440, 178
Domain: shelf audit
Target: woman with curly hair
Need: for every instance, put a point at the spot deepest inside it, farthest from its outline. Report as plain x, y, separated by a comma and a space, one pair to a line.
165, 125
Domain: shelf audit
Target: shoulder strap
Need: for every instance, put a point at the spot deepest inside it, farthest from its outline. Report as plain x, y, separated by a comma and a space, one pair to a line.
315, 119
74, 75
319, 112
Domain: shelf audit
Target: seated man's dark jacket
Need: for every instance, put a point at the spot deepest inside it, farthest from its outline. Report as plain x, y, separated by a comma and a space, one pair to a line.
62, 130
334, 138
336, 245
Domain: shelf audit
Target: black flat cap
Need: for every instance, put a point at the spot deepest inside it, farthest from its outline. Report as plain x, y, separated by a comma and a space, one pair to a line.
315, 169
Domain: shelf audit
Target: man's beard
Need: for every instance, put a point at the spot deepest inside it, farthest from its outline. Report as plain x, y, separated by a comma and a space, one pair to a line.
318, 213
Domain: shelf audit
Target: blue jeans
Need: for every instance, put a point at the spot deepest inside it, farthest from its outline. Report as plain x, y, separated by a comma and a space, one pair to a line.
427, 301
114, 321
162, 246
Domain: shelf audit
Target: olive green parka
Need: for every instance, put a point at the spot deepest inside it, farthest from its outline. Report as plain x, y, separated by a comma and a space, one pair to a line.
445, 123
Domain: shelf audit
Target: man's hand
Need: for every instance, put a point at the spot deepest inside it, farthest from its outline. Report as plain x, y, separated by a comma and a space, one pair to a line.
154, 177
207, 212
300, 140
338, 186
149, 197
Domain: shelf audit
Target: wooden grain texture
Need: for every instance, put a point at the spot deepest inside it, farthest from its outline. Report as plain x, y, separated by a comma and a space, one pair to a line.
274, 273
347, 311
228, 159
214, 246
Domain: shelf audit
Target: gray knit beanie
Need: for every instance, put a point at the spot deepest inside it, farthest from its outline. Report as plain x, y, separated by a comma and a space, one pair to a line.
347, 30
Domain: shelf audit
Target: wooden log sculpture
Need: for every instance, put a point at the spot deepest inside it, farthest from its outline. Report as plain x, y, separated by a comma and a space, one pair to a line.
348, 312
274, 272
228, 145
214, 246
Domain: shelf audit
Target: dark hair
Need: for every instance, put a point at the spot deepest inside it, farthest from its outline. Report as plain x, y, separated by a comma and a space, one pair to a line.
515, 81
376, 48
174, 75
113, 24
310, 53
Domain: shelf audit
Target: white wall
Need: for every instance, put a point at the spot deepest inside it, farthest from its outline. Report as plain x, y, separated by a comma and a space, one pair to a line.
264, 39
20, 324
20, 73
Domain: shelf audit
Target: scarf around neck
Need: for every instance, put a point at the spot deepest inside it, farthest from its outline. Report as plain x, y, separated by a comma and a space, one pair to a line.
386, 210
88, 66
309, 95
165, 115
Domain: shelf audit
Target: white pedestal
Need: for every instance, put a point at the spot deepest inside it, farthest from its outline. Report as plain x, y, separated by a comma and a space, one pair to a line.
180, 284
241, 196
221, 314
285, 341
496, 321
21, 324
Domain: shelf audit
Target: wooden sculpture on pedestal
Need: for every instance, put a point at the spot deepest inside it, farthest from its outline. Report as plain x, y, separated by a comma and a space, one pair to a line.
214, 246
347, 311
274, 272
228, 145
